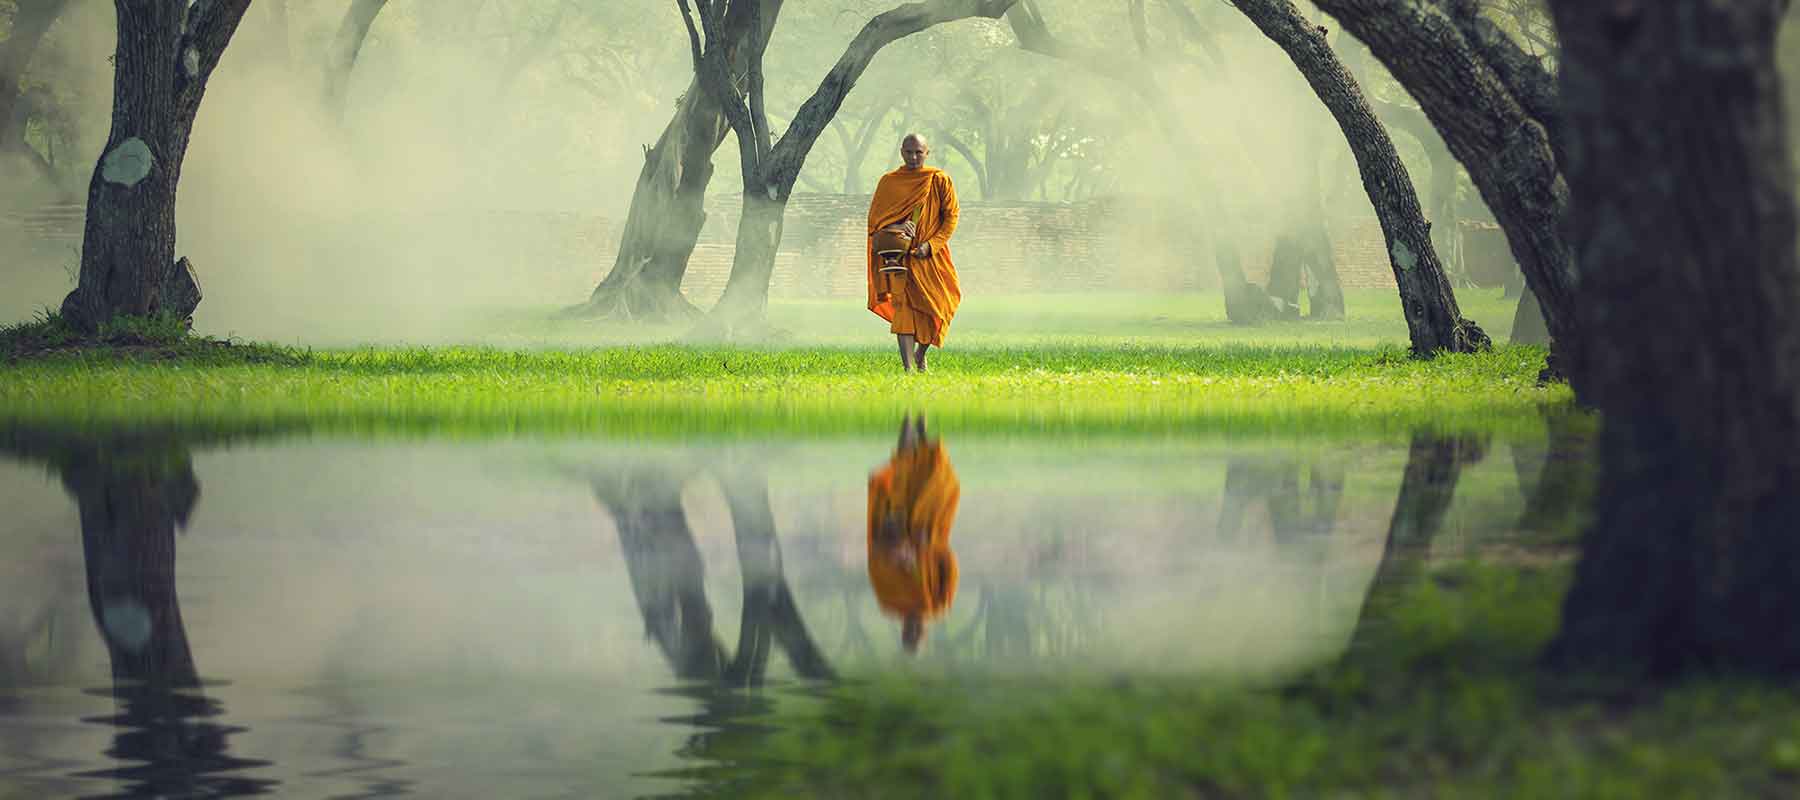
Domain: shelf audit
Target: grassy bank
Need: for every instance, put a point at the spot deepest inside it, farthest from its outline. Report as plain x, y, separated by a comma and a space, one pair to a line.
1438, 696
1238, 389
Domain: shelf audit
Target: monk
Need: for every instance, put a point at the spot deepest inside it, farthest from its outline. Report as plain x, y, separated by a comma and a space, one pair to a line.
912, 502
919, 302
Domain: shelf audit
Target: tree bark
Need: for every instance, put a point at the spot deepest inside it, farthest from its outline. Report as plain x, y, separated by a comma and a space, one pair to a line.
30, 22
1488, 124
1683, 190
667, 576
1434, 322
770, 168
346, 45
668, 204
770, 616
164, 58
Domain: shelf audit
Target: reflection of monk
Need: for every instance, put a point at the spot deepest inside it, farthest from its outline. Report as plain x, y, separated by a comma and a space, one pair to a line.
912, 502
921, 300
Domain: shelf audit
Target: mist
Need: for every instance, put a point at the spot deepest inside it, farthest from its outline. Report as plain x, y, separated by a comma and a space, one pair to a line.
486, 153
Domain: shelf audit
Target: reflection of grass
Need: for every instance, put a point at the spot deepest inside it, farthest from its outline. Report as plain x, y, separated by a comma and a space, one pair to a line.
1437, 697
1235, 389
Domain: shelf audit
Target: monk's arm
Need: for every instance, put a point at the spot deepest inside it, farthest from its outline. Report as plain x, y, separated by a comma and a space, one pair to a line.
951, 213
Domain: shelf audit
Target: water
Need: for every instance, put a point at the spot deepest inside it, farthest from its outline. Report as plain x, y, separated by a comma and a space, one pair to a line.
191, 614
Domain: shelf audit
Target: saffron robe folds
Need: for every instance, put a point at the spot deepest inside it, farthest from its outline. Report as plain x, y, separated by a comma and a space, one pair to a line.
932, 287
912, 503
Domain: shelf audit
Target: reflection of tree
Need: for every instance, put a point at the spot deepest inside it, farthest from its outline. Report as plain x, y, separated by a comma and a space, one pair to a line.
133, 493
1557, 476
668, 576
1434, 466
769, 610
1294, 514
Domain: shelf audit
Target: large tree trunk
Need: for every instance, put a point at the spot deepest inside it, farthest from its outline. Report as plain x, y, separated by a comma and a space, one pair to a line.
1497, 118
1433, 320
668, 203
31, 20
771, 168
664, 222
742, 311
160, 69
346, 45
1683, 191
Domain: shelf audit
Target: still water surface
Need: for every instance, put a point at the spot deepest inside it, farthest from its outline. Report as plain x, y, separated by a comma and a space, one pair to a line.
329, 616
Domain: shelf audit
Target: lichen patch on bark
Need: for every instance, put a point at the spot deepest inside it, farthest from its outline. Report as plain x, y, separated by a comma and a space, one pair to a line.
128, 164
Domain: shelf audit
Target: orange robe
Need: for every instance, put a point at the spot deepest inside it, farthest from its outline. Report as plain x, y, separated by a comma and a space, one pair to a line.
915, 493
931, 287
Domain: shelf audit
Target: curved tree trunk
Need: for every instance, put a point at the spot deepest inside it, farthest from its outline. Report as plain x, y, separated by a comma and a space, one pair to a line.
31, 20
1497, 118
668, 204
1432, 317
771, 168
346, 45
165, 56
1683, 190
665, 218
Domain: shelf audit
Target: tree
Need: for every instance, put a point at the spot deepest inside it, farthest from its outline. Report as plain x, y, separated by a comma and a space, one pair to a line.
31, 20
668, 204
346, 45
1433, 320
166, 53
769, 166
1498, 111
1682, 189
1432, 317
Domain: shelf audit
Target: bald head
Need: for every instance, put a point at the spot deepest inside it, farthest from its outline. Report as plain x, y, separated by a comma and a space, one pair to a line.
914, 150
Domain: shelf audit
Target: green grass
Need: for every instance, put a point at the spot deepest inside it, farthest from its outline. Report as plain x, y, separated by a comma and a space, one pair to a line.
1109, 363
1229, 390
1437, 697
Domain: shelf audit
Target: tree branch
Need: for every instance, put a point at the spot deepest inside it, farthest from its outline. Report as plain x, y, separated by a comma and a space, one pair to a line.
789, 153
687, 16
1522, 73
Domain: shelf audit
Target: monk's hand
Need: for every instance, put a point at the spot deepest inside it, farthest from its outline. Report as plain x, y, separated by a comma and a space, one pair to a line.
923, 250
911, 228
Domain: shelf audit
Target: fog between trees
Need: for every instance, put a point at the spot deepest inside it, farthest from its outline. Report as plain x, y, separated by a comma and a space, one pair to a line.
307, 228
